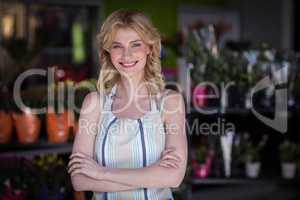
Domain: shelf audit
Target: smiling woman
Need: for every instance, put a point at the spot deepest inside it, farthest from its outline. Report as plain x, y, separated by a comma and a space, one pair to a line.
124, 148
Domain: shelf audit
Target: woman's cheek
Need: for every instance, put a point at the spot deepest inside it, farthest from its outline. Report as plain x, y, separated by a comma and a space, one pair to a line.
114, 60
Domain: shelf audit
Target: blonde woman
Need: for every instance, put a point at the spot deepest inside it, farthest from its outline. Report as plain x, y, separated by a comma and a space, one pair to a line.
131, 142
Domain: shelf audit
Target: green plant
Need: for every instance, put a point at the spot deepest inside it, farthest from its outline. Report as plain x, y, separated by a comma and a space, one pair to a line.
253, 151
201, 154
51, 173
17, 175
225, 66
288, 151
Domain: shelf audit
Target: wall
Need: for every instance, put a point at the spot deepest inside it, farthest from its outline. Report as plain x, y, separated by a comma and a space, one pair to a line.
162, 12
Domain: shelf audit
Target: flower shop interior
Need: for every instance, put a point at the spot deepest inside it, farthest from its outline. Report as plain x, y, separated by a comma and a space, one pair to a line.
236, 63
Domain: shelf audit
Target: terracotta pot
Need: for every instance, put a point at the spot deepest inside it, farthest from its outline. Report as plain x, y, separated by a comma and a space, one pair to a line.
58, 125
6, 127
79, 196
28, 127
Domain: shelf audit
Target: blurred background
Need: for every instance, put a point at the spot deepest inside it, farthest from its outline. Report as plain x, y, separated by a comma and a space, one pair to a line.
235, 62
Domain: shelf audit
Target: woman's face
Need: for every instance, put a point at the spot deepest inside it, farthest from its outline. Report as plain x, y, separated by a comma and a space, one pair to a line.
128, 53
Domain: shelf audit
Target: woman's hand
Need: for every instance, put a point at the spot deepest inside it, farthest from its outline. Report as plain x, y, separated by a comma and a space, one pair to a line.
169, 159
85, 165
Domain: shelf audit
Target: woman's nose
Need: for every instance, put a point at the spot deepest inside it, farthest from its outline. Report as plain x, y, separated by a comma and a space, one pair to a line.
127, 52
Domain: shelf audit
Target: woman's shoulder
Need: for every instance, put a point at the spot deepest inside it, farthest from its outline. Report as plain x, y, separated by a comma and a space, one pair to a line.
169, 97
169, 93
92, 101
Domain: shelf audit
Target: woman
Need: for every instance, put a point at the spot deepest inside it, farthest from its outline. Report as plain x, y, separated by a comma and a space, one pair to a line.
131, 142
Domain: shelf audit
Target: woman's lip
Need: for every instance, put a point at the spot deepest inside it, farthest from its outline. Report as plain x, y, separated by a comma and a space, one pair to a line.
128, 64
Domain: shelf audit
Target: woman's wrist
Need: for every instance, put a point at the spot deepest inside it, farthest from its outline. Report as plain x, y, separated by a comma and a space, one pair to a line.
104, 173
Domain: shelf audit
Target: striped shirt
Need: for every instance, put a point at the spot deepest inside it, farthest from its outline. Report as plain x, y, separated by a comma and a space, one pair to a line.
130, 143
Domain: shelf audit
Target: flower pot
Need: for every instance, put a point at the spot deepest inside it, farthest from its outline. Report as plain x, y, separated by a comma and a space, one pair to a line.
6, 127
202, 170
28, 127
79, 196
288, 170
12, 194
58, 125
199, 96
252, 169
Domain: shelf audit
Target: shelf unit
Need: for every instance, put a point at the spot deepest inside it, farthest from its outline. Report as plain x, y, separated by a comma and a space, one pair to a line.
28, 150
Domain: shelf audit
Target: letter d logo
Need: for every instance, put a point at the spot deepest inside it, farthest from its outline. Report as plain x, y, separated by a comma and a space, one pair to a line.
279, 122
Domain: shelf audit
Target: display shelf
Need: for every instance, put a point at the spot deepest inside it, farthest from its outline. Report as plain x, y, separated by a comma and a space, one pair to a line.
41, 147
232, 111
243, 181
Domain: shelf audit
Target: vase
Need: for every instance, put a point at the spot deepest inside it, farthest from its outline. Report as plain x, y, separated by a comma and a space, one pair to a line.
28, 127
252, 169
6, 127
79, 195
288, 170
59, 125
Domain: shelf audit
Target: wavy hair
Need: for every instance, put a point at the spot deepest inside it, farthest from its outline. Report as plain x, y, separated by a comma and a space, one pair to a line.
142, 25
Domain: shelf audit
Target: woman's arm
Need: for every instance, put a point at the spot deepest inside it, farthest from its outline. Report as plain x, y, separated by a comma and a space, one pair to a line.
84, 143
155, 175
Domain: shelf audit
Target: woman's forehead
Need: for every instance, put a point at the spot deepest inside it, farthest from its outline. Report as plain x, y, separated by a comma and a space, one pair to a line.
124, 35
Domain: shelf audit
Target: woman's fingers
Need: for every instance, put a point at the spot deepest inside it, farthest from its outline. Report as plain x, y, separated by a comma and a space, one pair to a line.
169, 164
75, 166
78, 171
75, 160
171, 156
168, 150
79, 154
79, 158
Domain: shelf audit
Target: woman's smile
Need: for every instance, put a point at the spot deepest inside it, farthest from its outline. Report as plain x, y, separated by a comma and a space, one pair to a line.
128, 64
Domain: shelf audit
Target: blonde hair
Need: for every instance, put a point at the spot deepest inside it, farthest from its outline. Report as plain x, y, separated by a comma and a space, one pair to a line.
142, 25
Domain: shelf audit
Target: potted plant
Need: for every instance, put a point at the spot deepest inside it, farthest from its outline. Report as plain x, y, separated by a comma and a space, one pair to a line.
288, 159
8, 71
16, 179
47, 186
26, 120
253, 157
81, 90
6, 121
60, 116
202, 161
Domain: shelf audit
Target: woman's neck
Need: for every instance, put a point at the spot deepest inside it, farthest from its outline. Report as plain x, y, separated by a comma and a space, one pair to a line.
132, 88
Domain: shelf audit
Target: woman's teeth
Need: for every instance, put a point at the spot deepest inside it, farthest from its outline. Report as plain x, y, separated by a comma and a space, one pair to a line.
129, 64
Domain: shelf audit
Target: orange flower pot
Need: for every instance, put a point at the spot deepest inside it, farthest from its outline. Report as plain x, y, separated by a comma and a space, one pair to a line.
79, 196
6, 127
28, 127
58, 125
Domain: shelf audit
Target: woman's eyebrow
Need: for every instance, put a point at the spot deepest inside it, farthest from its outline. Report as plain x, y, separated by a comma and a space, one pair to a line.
138, 40
116, 42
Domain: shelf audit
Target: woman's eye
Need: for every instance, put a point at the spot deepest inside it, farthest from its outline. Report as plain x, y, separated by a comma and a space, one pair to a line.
116, 46
136, 45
